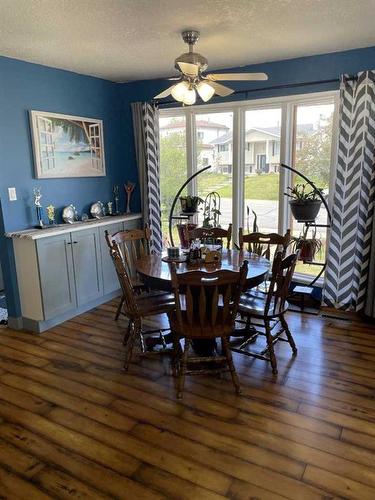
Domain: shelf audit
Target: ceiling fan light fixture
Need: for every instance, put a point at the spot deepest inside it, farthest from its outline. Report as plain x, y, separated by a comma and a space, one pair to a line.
179, 90
190, 96
205, 91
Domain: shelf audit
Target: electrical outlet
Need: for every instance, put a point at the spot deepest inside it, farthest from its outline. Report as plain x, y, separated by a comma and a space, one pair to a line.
12, 194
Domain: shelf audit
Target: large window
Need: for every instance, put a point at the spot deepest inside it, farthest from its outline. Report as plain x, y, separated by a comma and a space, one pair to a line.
172, 163
245, 142
312, 157
214, 147
262, 159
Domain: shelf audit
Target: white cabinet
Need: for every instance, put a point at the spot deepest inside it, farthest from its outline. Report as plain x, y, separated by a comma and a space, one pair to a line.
87, 265
56, 274
64, 272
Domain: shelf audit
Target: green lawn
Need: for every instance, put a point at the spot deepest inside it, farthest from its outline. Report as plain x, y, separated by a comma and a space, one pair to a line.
257, 187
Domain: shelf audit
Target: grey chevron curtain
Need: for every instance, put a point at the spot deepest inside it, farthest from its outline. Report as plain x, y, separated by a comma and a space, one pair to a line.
347, 280
146, 139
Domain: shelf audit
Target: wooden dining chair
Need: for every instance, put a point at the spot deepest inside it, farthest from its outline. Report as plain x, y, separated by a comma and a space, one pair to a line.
206, 308
270, 309
137, 307
211, 235
261, 243
134, 244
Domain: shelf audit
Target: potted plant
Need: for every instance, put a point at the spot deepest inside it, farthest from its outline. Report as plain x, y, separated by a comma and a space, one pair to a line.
304, 203
183, 230
308, 247
211, 210
189, 204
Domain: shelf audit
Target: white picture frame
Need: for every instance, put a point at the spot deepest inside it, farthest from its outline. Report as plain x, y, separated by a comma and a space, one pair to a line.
67, 146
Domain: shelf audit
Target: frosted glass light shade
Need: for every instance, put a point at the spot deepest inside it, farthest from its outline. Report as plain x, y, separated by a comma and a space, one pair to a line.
178, 91
205, 91
190, 97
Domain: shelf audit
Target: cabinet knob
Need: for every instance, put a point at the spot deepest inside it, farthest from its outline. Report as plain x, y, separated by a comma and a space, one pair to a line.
75, 242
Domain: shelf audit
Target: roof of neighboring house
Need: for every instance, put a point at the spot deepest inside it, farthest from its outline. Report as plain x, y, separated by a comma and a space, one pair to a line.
305, 128
198, 124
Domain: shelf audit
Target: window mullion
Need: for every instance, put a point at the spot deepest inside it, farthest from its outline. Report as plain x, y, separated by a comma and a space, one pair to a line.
286, 156
238, 171
191, 149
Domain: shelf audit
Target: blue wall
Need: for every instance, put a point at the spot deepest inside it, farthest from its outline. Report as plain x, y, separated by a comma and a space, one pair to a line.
25, 86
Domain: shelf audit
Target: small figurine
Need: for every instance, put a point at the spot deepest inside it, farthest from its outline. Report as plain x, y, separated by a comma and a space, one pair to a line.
116, 198
38, 207
51, 214
110, 208
129, 188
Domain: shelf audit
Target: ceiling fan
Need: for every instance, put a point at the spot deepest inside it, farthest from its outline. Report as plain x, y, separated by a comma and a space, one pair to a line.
193, 80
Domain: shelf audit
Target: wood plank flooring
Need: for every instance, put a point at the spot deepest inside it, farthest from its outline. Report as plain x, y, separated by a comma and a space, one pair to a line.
74, 425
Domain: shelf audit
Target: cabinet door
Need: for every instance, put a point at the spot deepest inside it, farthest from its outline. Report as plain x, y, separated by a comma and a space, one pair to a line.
110, 279
56, 275
87, 265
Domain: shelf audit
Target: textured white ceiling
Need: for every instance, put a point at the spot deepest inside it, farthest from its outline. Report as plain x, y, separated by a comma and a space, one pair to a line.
124, 40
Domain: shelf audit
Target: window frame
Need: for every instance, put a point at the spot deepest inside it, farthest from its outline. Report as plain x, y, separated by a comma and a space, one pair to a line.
288, 106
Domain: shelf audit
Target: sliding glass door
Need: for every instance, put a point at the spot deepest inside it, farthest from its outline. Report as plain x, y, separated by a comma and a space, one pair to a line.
245, 142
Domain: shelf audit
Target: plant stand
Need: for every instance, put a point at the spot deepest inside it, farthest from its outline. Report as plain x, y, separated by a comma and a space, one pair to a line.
306, 290
181, 216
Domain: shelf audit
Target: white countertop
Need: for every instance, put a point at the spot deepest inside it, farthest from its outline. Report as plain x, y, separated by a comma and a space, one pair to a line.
36, 234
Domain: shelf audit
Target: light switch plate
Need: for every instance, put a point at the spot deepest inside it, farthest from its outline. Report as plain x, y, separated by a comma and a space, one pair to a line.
12, 194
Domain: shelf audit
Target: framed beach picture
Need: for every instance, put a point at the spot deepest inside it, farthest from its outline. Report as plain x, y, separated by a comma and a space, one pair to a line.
67, 146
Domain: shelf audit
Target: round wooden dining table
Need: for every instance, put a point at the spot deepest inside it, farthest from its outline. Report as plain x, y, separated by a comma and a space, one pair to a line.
157, 275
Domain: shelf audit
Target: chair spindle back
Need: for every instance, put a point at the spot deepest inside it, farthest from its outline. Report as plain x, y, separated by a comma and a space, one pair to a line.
209, 235
260, 243
128, 293
132, 244
207, 300
282, 274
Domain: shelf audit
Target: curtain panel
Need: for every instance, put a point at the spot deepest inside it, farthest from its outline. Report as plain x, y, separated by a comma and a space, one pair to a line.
146, 140
370, 295
347, 278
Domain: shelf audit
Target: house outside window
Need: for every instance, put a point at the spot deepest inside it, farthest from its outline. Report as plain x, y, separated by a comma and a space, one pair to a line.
275, 148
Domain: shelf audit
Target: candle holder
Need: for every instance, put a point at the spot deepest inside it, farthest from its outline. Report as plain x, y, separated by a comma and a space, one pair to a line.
129, 188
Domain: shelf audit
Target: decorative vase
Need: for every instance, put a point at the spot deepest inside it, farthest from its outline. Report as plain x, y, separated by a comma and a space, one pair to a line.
129, 188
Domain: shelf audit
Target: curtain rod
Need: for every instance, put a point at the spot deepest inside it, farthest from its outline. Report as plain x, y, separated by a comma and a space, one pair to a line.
274, 87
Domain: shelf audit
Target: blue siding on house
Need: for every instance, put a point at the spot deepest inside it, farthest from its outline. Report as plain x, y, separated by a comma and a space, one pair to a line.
25, 86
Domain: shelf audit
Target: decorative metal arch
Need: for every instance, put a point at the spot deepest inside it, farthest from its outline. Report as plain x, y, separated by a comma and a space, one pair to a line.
176, 198
325, 205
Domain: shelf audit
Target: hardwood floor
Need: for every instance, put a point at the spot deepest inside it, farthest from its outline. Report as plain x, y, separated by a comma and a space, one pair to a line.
73, 425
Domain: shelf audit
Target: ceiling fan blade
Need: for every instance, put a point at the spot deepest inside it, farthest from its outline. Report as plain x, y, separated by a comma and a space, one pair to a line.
236, 76
220, 89
173, 78
188, 69
165, 93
